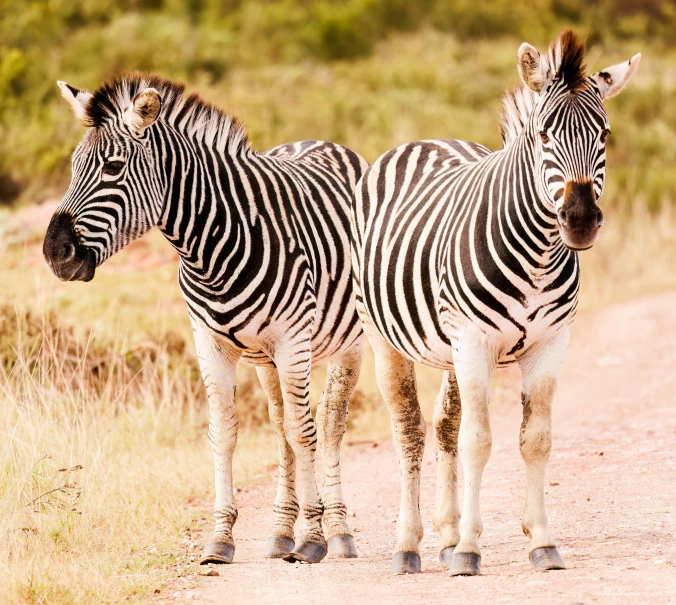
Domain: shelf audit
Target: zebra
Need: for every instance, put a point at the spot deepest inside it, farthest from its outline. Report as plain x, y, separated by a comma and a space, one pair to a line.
466, 259
264, 246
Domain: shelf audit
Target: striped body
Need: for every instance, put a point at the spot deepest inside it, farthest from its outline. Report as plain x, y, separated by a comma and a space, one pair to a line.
465, 260
259, 268
443, 245
264, 247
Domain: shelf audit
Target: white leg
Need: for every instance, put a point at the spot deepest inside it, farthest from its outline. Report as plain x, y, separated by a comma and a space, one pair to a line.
294, 365
447, 415
285, 509
473, 367
396, 380
541, 367
218, 363
332, 411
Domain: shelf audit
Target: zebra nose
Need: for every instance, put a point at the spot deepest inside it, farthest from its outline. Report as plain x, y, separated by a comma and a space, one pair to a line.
563, 218
68, 252
599, 218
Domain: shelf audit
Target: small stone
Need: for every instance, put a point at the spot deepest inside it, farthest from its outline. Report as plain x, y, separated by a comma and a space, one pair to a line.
157, 591
209, 572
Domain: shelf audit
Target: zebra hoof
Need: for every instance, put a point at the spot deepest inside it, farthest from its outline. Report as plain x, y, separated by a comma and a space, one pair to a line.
307, 552
405, 563
217, 552
446, 556
466, 564
546, 559
278, 547
342, 547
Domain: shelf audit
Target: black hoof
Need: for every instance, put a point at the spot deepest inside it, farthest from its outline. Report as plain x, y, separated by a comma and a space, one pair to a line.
546, 558
217, 552
307, 552
278, 547
466, 564
405, 562
446, 555
342, 547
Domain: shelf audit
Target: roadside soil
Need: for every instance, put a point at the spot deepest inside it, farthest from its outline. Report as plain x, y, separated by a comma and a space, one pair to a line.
611, 491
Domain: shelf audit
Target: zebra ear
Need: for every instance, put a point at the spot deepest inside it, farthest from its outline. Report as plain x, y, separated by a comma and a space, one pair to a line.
143, 110
531, 67
612, 80
78, 99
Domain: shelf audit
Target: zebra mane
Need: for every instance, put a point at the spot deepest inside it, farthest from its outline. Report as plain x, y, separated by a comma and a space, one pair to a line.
189, 114
564, 62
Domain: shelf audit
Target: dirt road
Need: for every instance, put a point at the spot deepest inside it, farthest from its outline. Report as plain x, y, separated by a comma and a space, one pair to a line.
611, 494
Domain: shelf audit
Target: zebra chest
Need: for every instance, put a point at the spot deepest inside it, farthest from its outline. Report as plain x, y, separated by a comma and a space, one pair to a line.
509, 329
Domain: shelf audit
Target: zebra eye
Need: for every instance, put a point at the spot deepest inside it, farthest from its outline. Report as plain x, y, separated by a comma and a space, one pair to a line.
604, 136
544, 136
113, 168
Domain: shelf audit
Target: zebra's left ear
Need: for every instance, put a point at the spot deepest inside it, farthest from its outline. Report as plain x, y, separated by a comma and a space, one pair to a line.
532, 68
612, 80
144, 110
77, 99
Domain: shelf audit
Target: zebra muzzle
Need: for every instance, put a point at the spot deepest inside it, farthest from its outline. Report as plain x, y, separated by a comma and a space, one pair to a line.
67, 258
579, 217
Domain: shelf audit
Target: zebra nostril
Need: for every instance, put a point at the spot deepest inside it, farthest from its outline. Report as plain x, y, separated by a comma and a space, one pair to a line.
563, 216
599, 218
68, 252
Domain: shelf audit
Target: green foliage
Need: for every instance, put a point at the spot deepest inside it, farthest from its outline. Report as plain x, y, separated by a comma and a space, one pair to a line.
367, 73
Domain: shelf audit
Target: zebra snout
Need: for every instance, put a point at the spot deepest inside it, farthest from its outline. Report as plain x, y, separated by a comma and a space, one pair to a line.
579, 217
66, 257
564, 216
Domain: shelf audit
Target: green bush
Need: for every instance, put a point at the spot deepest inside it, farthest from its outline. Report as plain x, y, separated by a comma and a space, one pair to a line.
337, 69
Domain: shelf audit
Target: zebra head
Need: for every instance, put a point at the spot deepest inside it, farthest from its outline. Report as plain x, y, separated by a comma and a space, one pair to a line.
116, 191
568, 127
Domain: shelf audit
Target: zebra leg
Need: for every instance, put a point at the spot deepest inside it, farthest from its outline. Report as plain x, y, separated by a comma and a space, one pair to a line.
540, 369
473, 372
294, 376
285, 509
332, 411
447, 415
395, 376
218, 365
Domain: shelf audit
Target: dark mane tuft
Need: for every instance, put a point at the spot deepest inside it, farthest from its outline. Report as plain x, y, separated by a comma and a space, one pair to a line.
187, 112
567, 52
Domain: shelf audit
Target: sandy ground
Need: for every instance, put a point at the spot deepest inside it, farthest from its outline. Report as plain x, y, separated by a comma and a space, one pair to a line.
611, 494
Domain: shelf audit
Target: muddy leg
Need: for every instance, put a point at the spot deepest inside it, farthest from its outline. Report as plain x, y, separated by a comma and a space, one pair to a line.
285, 509
342, 377
218, 371
473, 371
396, 380
540, 369
294, 376
446, 427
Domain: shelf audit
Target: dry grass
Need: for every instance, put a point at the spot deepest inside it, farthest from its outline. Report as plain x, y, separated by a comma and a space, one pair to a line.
101, 454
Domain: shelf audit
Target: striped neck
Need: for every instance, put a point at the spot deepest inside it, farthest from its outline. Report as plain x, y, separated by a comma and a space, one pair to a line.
209, 215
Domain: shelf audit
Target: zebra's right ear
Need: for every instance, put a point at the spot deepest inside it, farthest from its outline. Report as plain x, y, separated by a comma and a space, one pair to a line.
78, 99
532, 68
144, 110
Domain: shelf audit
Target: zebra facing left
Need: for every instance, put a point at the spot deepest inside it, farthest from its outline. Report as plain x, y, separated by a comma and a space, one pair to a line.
263, 240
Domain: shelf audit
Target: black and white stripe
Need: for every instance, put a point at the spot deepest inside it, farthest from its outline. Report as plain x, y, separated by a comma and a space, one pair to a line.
466, 259
263, 240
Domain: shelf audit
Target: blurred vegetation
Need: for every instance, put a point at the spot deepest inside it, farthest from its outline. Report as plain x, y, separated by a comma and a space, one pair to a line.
366, 73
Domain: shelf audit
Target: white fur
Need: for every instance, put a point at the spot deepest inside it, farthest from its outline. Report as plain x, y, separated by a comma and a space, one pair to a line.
78, 102
616, 77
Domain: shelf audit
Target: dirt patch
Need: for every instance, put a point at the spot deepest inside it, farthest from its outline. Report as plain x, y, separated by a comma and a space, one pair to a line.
610, 496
